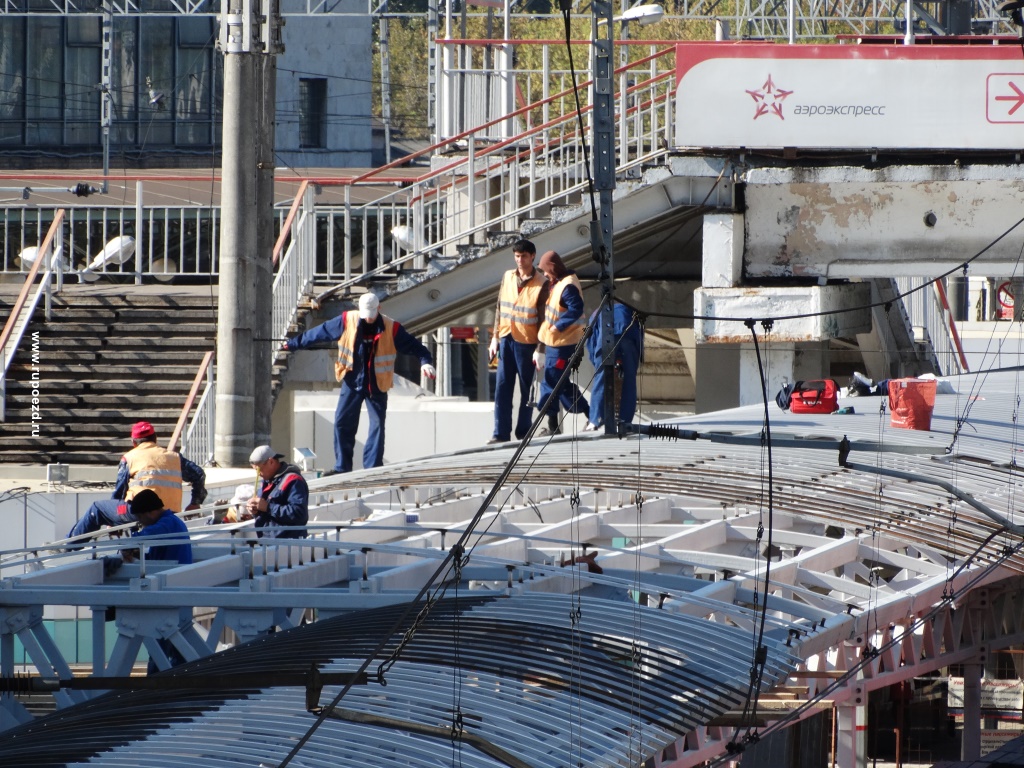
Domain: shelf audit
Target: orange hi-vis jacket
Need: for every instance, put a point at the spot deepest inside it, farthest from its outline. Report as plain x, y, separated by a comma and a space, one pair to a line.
156, 468
554, 311
384, 351
517, 309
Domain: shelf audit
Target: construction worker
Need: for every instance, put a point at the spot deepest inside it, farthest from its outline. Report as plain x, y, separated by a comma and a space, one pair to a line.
561, 331
368, 344
283, 500
629, 344
146, 465
517, 317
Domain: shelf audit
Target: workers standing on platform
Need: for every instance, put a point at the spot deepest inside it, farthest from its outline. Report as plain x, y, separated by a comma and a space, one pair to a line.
368, 345
521, 299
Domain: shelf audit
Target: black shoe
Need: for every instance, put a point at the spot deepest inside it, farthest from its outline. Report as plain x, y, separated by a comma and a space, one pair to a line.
496, 440
330, 472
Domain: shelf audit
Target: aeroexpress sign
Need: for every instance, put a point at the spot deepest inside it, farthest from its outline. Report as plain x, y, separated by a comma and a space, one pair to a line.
869, 96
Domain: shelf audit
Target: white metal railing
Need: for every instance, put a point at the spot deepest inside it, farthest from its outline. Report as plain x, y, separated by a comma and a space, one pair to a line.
50, 253
297, 267
479, 185
931, 319
495, 176
197, 442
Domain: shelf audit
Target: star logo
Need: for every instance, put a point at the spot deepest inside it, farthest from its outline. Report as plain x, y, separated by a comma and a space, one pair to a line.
768, 99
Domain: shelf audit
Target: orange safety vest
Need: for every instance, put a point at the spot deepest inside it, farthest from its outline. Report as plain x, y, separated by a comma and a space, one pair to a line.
517, 309
384, 351
553, 312
156, 468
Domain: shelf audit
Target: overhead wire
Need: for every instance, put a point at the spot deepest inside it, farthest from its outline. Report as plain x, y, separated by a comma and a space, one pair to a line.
748, 716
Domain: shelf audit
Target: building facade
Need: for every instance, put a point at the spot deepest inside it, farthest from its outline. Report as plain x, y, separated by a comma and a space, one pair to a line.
165, 88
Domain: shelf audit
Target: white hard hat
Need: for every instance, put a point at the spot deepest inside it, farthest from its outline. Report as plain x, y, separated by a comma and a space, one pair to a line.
368, 304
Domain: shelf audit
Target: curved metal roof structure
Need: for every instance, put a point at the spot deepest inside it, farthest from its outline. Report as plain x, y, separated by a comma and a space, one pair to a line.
610, 611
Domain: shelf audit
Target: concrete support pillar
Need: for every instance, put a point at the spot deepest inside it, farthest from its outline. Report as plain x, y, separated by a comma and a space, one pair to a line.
235, 425
722, 265
956, 292
736, 378
265, 335
851, 728
970, 745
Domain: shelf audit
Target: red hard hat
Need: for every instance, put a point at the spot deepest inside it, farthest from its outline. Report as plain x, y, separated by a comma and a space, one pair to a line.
142, 429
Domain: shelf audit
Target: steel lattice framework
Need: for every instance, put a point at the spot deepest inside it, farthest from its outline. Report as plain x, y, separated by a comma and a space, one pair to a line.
767, 19
640, 618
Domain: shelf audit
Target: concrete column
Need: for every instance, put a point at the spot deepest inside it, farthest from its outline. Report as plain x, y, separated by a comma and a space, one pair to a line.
970, 745
957, 294
722, 265
851, 727
235, 424
265, 334
736, 379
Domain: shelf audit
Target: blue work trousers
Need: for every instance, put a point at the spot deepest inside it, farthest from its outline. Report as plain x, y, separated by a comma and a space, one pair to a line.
346, 423
100, 513
515, 361
556, 360
627, 365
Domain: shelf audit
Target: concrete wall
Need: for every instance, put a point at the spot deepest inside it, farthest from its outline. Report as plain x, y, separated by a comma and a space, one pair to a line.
339, 49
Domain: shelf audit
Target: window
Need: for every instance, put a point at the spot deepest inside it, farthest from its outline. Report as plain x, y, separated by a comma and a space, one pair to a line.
312, 112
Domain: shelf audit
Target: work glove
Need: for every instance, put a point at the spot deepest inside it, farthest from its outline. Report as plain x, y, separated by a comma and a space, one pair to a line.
428, 371
538, 360
492, 348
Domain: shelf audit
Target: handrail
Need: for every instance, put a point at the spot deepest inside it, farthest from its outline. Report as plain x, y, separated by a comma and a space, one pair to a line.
432, 149
953, 333
187, 408
19, 303
286, 228
483, 164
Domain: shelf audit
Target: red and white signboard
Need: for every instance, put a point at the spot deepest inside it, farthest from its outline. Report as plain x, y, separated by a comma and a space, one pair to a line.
766, 95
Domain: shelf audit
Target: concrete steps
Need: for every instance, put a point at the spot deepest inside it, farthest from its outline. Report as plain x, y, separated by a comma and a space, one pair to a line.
107, 359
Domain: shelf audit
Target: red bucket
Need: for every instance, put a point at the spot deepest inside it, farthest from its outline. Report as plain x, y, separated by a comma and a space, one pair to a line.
911, 402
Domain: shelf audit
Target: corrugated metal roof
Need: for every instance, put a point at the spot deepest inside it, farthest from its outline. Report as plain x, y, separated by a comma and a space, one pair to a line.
543, 665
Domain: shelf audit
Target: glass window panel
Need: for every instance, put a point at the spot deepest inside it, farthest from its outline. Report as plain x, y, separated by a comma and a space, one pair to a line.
82, 133
312, 111
193, 84
195, 31
193, 133
156, 62
81, 97
45, 70
154, 133
43, 133
83, 30
124, 59
12, 79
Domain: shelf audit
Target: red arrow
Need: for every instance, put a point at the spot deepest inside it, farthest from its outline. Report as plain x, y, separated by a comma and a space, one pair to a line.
1019, 98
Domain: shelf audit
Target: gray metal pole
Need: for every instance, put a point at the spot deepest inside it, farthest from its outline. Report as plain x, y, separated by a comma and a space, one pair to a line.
107, 41
601, 230
235, 424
